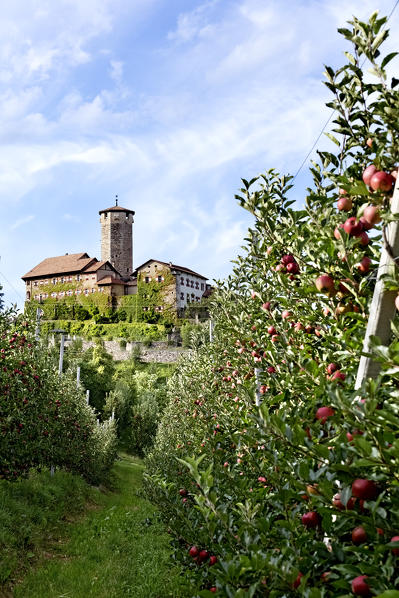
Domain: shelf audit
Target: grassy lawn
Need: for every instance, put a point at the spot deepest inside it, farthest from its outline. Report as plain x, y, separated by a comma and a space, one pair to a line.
118, 549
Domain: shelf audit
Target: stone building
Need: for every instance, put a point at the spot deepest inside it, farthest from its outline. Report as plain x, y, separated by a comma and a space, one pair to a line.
186, 285
76, 274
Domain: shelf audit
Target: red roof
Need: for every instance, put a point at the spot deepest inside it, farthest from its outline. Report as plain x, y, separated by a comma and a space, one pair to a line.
63, 264
172, 267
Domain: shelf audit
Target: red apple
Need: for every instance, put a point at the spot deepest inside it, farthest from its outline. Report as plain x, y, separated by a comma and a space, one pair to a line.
372, 214
193, 551
323, 413
338, 375
325, 284
271, 330
292, 268
352, 226
203, 556
183, 492
311, 519
364, 239
395, 550
365, 489
287, 259
286, 314
368, 173
266, 306
339, 505
366, 225
337, 233
344, 204
382, 181
360, 587
332, 367
271, 370
213, 589
297, 582
359, 535
213, 560
364, 265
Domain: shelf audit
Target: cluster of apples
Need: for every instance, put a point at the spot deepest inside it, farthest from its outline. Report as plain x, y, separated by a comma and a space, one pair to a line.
376, 180
201, 556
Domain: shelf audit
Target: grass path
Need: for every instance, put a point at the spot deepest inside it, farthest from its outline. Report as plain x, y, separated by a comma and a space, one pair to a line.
118, 549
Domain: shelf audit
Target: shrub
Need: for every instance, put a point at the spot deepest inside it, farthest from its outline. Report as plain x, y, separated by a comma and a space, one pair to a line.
44, 417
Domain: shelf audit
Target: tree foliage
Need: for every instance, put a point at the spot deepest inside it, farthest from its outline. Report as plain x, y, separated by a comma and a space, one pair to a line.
264, 440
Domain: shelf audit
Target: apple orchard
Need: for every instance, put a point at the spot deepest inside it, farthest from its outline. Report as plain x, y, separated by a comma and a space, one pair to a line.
275, 476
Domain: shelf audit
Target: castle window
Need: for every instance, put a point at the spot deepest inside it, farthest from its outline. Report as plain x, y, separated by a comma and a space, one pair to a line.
202, 286
187, 282
198, 299
197, 285
86, 291
54, 295
93, 278
182, 296
35, 285
192, 284
188, 296
93, 290
182, 281
45, 295
78, 277
62, 279
70, 293
36, 297
159, 278
147, 279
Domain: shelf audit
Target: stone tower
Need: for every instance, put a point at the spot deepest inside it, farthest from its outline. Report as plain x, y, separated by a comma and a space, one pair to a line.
117, 238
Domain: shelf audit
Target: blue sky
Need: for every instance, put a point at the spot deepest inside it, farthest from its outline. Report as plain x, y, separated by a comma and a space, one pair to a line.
167, 103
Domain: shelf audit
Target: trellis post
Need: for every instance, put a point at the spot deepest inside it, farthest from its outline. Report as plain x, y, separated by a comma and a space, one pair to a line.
382, 309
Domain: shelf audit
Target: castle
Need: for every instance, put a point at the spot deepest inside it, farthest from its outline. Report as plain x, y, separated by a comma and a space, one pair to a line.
78, 274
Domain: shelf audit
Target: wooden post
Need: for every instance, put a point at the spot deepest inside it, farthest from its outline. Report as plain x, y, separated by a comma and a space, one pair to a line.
78, 377
382, 309
211, 327
258, 372
61, 354
37, 329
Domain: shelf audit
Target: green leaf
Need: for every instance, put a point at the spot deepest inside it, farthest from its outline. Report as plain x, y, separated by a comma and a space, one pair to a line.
334, 139
350, 58
389, 594
388, 58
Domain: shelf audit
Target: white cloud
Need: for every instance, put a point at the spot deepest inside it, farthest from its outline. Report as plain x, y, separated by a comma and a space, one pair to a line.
22, 221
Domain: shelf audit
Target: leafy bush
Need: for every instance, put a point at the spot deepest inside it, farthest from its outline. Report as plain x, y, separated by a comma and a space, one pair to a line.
267, 458
44, 418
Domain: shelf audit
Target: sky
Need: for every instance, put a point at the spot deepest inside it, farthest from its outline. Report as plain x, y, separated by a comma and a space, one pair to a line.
166, 103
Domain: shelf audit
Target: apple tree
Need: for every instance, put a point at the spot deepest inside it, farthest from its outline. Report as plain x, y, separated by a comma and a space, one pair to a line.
276, 476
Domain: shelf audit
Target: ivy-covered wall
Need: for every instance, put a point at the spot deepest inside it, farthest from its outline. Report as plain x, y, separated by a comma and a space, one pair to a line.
154, 302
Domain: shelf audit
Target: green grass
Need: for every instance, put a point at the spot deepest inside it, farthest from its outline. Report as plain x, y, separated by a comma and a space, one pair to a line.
31, 511
118, 549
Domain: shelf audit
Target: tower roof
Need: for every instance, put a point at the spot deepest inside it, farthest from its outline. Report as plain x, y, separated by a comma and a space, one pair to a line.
117, 209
